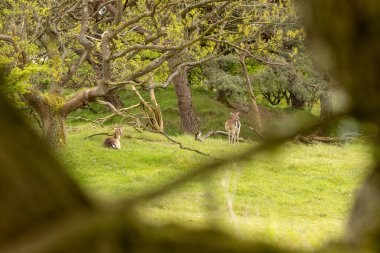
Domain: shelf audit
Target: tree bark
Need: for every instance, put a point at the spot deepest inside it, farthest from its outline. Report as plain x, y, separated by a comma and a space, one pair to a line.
253, 108
53, 128
222, 96
297, 103
189, 121
115, 100
326, 110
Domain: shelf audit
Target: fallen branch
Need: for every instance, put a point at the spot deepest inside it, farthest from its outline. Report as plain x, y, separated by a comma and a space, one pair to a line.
198, 136
181, 146
92, 135
312, 139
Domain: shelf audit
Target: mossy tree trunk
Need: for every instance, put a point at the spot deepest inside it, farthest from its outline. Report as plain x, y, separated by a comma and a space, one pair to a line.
53, 110
53, 127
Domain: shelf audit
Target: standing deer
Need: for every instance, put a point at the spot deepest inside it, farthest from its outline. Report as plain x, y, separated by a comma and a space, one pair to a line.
232, 126
113, 142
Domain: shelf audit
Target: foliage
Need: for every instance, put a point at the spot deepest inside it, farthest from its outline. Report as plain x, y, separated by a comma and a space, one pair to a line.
298, 77
223, 73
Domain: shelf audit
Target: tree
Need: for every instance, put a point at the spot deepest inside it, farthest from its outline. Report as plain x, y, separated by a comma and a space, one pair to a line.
136, 40
298, 81
223, 74
46, 212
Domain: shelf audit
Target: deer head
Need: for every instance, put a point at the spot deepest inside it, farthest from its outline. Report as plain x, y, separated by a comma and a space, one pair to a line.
234, 115
118, 132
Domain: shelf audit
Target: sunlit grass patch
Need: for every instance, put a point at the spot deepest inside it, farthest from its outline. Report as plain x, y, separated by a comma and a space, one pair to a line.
297, 196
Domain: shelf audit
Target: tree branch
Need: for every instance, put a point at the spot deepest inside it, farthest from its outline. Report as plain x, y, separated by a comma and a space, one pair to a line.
248, 53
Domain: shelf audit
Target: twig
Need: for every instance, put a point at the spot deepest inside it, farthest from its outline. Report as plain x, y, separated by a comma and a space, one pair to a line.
115, 112
90, 120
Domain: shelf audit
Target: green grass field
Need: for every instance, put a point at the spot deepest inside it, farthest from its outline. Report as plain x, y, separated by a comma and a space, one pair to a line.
298, 196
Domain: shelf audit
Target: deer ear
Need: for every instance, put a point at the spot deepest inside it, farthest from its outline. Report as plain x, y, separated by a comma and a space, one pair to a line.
231, 113
237, 113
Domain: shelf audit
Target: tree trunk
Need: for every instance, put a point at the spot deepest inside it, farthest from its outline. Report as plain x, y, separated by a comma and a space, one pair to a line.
297, 103
326, 110
222, 96
53, 128
52, 117
253, 108
189, 121
115, 100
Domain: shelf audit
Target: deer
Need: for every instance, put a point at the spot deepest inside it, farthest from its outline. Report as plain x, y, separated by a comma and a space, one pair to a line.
114, 142
232, 126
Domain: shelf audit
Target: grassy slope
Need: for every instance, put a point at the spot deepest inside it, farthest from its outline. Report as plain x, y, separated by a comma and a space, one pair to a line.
298, 196
299, 192
212, 114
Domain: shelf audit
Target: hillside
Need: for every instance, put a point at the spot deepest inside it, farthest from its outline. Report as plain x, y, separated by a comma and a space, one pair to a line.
211, 113
297, 196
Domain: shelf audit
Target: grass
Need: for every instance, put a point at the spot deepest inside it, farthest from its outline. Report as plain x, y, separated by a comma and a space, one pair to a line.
298, 196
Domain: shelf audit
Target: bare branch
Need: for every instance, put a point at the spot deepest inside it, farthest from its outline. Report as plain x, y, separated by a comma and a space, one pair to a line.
118, 12
88, 45
248, 53
180, 67
200, 4
109, 105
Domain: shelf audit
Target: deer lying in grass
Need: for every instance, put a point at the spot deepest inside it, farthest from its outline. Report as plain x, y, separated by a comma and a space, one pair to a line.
232, 126
113, 142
